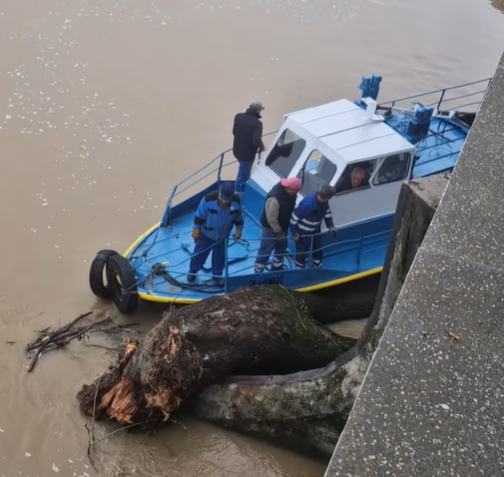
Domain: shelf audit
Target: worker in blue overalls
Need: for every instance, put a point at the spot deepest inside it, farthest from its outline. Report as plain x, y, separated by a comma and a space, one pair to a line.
217, 213
305, 225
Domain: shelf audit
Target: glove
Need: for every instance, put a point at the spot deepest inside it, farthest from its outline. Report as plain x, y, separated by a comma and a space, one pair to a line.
295, 237
280, 236
195, 234
261, 147
333, 231
238, 234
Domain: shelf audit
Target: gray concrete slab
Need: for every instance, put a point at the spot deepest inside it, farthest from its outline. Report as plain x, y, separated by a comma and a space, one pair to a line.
431, 405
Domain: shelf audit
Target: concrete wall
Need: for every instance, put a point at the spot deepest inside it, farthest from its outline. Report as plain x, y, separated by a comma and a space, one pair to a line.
431, 404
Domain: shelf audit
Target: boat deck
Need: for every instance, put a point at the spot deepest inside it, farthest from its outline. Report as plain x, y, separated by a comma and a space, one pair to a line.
439, 150
168, 250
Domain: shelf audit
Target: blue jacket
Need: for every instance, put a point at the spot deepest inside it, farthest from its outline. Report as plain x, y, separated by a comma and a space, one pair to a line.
214, 222
308, 215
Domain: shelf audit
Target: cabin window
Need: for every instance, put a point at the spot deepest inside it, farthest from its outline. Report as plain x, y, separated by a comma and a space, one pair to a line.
394, 168
285, 153
356, 176
317, 172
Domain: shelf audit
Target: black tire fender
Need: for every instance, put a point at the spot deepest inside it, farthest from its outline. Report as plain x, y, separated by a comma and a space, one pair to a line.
123, 283
99, 286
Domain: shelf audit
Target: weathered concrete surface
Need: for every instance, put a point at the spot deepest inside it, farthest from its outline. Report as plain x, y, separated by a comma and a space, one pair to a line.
430, 405
308, 410
418, 208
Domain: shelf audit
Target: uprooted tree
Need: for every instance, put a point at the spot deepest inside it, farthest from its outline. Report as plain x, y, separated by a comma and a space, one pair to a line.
262, 329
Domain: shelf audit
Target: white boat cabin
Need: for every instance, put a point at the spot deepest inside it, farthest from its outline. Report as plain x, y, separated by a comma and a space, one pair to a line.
323, 144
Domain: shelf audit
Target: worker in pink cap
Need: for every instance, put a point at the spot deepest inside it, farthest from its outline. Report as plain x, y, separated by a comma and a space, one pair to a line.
278, 207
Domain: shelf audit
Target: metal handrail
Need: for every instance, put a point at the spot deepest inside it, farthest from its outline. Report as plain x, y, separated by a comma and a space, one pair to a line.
459, 97
344, 242
288, 255
217, 169
442, 91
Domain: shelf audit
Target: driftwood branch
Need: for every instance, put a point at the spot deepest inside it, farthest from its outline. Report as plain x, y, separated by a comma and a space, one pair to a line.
49, 339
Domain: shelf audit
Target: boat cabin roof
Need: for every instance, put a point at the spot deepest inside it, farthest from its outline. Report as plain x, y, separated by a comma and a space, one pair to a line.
322, 146
348, 130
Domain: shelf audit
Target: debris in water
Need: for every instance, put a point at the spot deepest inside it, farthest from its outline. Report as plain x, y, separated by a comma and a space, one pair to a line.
54, 468
27, 454
453, 336
445, 407
49, 339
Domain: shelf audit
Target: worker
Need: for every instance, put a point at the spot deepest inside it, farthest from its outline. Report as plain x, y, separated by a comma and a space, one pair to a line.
356, 180
247, 132
278, 207
218, 211
305, 225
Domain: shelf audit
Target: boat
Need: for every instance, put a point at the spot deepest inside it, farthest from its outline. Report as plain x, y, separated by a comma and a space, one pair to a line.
395, 141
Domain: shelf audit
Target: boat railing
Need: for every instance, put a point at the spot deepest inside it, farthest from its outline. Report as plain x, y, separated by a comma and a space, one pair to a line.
467, 95
330, 250
211, 168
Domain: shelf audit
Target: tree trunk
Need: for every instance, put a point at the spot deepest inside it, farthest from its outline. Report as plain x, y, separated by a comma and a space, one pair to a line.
255, 330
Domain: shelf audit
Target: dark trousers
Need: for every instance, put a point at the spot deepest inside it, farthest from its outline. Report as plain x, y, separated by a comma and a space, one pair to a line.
244, 171
269, 242
303, 250
202, 249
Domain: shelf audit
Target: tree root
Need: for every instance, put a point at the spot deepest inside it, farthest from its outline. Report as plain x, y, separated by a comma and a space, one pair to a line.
252, 329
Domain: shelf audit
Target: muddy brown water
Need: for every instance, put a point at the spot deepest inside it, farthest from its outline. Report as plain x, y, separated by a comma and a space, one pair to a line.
104, 105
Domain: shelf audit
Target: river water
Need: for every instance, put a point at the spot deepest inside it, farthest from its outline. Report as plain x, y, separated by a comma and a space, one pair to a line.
104, 105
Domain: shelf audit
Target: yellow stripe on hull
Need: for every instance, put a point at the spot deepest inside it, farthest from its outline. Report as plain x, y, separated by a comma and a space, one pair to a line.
140, 238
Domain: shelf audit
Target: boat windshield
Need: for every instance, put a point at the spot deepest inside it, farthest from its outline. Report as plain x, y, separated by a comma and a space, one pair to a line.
394, 168
317, 172
285, 153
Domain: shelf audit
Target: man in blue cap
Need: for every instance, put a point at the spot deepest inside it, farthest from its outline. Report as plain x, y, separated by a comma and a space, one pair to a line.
247, 132
218, 211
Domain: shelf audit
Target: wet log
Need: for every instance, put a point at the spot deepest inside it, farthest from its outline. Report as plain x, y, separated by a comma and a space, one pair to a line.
254, 330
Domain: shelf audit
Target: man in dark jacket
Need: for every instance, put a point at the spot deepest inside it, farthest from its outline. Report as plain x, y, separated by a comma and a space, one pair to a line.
278, 207
247, 132
305, 224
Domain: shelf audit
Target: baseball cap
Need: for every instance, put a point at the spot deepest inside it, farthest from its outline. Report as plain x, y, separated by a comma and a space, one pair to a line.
292, 183
257, 105
226, 192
